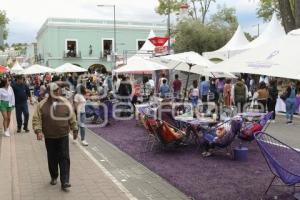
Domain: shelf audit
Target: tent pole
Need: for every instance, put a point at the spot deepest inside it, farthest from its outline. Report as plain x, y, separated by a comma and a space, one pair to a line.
187, 81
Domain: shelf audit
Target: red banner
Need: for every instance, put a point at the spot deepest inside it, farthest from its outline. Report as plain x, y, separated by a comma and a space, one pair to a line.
159, 41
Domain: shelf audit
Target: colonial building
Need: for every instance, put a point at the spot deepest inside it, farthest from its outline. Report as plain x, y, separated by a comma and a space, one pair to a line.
87, 42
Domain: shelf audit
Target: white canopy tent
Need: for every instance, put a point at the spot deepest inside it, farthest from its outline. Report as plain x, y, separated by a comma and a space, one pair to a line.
278, 59
140, 64
273, 31
16, 69
191, 62
68, 67
234, 46
148, 46
37, 69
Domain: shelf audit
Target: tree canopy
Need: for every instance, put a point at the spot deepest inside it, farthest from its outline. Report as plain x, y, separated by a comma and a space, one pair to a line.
287, 10
3, 23
196, 7
195, 36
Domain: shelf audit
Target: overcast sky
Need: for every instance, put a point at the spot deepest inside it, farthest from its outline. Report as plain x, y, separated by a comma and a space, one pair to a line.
27, 16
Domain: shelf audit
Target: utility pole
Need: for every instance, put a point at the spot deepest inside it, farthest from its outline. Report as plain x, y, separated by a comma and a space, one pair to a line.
169, 27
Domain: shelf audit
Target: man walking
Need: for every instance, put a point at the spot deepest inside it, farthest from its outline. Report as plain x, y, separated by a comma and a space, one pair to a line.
22, 93
240, 94
176, 86
53, 119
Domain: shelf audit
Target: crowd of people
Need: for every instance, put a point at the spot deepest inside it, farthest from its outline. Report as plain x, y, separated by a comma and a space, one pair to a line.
245, 92
62, 101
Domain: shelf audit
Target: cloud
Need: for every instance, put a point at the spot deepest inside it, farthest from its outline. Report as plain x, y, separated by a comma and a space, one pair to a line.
27, 16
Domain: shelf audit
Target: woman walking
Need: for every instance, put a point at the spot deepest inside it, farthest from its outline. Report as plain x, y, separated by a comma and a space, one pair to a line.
7, 102
194, 96
290, 102
227, 93
263, 95
79, 104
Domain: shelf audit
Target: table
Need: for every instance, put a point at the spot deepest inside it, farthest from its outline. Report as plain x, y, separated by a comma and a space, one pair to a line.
195, 126
146, 109
251, 116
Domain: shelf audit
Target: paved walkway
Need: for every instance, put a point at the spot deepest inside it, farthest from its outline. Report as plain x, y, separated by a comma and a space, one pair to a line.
98, 172
24, 173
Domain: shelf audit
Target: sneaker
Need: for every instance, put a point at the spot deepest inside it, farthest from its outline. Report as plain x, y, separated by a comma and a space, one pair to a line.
65, 187
273, 121
26, 130
208, 154
289, 122
18, 130
6, 133
53, 181
84, 143
204, 153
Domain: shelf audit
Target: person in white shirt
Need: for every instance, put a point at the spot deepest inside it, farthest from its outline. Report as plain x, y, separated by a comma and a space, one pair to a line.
7, 103
79, 104
194, 96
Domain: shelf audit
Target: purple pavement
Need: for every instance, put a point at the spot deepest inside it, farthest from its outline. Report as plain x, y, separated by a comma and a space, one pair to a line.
216, 177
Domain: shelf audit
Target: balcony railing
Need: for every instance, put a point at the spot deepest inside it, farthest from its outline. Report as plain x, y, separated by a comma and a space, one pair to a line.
70, 54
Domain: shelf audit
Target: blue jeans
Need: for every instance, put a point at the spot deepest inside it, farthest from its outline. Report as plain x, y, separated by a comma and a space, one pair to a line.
194, 100
290, 105
81, 124
22, 109
210, 137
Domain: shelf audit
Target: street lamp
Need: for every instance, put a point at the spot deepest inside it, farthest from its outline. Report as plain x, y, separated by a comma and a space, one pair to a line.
115, 33
257, 29
169, 27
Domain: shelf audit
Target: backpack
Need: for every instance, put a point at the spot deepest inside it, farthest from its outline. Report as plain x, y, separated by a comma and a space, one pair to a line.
248, 132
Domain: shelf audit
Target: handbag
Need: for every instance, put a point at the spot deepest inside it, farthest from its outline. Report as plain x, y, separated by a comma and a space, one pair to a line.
210, 96
283, 96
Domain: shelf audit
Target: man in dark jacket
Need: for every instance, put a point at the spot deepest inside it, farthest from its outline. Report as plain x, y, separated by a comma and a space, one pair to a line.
240, 94
53, 119
273, 95
22, 93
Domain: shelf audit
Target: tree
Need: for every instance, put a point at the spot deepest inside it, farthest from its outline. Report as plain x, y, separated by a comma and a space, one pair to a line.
287, 10
288, 19
224, 18
297, 13
3, 22
249, 36
174, 5
204, 6
164, 5
195, 36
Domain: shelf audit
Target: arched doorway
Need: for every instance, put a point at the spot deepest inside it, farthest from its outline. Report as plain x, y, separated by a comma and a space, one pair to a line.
97, 67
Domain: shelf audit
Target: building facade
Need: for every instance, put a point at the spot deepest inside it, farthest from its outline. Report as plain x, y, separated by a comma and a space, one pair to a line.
90, 42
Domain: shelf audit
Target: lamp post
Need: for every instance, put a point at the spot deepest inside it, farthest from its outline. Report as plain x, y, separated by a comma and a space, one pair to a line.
257, 29
115, 34
169, 27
